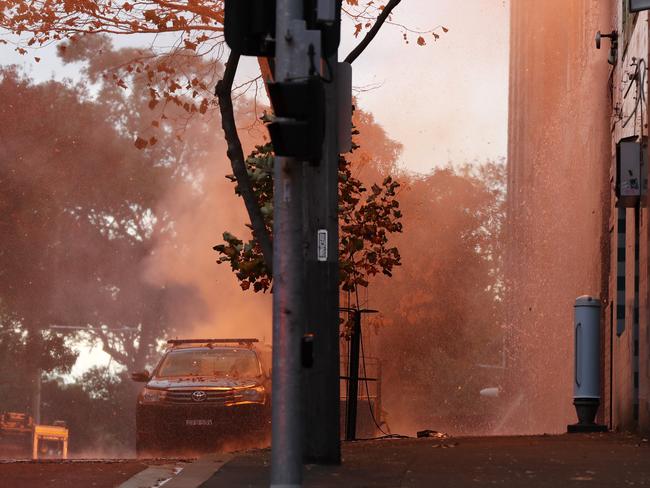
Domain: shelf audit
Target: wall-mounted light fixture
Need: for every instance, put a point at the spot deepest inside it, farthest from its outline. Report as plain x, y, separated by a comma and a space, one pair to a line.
639, 5
613, 50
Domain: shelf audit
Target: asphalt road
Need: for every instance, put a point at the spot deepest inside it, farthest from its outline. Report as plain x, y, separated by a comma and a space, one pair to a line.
577, 460
71, 474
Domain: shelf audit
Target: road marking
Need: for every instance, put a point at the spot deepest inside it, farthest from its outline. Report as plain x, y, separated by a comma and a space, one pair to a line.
179, 475
151, 477
194, 474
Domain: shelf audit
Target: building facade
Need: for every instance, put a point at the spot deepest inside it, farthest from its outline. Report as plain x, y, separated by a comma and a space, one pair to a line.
570, 106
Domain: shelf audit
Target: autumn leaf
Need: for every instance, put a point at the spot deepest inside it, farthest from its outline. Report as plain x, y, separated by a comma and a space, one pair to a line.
140, 143
197, 23
151, 16
421, 41
204, 106
367, 218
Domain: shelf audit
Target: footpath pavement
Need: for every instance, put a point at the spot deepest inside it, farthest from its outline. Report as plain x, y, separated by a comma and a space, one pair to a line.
576, 460
584, 460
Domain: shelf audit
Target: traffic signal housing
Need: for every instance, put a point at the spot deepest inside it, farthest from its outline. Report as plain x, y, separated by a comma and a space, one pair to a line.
298, 129
249, 27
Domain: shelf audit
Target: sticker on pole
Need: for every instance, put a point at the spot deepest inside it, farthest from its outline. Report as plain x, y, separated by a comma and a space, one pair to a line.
322, 244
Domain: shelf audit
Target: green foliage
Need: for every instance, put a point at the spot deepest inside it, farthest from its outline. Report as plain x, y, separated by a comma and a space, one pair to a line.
367, 219
246, 259
98, 395
80, 210
22, 353
98, 408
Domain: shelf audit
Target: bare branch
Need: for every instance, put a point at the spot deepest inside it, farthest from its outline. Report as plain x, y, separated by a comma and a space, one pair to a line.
370, 35
266, 68
238, 161
120, 357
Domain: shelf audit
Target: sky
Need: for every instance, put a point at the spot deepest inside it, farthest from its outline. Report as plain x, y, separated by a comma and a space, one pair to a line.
445, 102
448, 100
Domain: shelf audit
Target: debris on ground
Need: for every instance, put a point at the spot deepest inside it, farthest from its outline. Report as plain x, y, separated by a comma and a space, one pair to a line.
432, 433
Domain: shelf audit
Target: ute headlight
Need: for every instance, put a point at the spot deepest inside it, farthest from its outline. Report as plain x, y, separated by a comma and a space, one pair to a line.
149, 395
253, 394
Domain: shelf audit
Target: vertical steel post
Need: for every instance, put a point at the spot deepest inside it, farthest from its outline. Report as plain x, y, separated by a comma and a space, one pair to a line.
322, 383
288, 296
36, 396
353, 382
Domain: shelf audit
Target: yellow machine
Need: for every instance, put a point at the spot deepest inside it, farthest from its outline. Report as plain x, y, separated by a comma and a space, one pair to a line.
50, 441
21, 438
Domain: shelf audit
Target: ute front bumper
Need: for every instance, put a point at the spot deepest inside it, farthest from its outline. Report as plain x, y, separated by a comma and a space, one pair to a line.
162, 421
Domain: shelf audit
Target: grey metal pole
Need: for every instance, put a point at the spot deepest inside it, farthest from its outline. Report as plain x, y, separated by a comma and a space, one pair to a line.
288, 294
353, 382
321, 387
36, 397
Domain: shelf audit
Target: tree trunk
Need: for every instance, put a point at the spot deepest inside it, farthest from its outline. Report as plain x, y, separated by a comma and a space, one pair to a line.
238, 160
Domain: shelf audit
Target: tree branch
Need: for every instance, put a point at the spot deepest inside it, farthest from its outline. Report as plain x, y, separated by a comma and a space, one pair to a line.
266, 68
120, 357
223, 91
370, 35
237, 160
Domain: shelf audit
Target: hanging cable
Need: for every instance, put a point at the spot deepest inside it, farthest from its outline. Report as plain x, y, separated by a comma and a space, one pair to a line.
365, 382
640, 77
643, 70
386, 435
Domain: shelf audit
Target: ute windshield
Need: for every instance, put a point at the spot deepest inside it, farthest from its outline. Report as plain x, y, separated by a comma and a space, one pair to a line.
235, 363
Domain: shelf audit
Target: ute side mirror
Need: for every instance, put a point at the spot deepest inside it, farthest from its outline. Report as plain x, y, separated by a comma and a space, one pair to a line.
140, 376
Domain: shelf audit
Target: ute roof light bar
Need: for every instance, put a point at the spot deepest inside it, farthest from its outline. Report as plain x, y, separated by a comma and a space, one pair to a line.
211, 341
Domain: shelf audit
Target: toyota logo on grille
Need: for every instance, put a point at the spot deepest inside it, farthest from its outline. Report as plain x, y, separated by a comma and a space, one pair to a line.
199, 396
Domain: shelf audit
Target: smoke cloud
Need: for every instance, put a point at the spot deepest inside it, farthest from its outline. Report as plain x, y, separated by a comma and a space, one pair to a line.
202, 209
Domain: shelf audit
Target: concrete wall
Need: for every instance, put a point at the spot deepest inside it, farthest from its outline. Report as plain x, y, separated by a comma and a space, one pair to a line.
625, 389
559, 158
629, 363
644, 356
